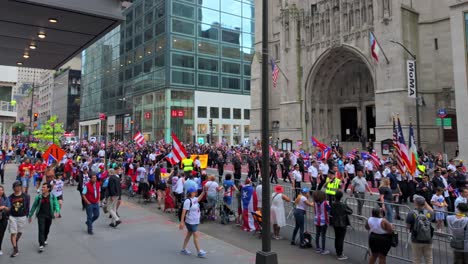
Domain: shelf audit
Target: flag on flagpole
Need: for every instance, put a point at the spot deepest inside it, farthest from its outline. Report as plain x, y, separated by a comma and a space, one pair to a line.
178, 152
318, 144
50, 160
413, 151
375, 47
274, 73
401, 148
139, 139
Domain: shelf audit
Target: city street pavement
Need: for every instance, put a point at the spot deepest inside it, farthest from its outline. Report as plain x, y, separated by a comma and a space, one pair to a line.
143, 237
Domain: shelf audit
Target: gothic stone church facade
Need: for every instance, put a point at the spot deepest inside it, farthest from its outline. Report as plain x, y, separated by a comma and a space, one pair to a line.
330, 87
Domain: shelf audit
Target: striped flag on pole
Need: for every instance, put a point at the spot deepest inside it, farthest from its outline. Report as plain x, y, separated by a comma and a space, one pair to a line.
274, 73
139, 139
178, 152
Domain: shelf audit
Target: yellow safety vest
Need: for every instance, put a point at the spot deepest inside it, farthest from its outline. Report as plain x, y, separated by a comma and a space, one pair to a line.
333, 186
188, 164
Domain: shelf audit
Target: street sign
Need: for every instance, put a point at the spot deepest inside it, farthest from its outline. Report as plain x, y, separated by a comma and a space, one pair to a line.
442, 113
447, 122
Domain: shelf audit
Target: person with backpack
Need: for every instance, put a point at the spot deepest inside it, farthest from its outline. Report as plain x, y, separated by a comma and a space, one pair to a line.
457, 225
189, 217
339, 216
418, 222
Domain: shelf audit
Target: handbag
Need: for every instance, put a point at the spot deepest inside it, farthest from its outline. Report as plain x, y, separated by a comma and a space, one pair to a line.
394, 242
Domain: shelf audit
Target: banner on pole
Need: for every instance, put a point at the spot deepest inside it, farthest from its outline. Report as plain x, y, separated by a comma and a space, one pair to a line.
411, 75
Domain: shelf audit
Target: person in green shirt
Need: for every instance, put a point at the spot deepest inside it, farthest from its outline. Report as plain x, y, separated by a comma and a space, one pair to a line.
46, 208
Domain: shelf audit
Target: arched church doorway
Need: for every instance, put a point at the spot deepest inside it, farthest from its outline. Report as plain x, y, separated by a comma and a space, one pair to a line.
340, 97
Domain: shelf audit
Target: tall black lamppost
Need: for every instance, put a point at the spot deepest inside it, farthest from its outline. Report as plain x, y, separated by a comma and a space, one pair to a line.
265, 256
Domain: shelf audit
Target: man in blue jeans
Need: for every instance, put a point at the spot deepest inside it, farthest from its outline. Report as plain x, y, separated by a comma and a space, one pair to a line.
91, 195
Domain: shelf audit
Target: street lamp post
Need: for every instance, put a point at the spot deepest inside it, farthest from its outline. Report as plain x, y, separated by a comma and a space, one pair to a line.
418, 124
265, 256
53, 132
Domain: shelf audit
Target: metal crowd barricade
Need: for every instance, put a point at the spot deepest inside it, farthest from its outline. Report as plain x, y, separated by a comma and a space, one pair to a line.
370, 204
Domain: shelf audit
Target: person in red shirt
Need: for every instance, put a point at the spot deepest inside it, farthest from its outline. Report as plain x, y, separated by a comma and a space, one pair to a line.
39, 168
68, 171
25, 172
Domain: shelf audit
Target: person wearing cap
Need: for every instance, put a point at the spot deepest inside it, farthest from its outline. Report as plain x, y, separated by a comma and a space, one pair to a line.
297, 179
420, 249
278, 216
190, 218
301, 202
18, 215
425, 188
332, 185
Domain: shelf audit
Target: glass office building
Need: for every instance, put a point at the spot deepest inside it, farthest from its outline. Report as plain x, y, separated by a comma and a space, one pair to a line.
146, 71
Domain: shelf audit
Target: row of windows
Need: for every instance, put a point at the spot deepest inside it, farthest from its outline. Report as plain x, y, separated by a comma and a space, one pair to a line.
209, 64
225, 113
209, 81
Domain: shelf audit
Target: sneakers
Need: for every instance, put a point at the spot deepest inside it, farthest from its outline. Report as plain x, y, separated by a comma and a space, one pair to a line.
112, 225
342, 257
15, 252
185, 252
90, 232
118, 222
201, 254
1, 253
318, 250
325, 252
41, 249
45, 243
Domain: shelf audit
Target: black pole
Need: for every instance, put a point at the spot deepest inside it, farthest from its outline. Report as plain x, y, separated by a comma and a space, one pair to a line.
53, 134
265, 256
418, 123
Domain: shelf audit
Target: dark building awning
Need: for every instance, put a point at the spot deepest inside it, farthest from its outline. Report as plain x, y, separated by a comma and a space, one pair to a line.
69, 27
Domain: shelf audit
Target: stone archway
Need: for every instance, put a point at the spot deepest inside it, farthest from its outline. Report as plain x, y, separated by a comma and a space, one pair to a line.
340, 97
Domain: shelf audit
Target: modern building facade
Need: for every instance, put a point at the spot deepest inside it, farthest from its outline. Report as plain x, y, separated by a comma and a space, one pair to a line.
45, 101
66, 99
332, 88
147, 72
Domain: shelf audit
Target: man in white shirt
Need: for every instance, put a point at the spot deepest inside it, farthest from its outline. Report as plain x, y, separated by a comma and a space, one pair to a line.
369, 169
297, 179
323, 172
462, 198
451, 166
313, 174
152, 156
102, 153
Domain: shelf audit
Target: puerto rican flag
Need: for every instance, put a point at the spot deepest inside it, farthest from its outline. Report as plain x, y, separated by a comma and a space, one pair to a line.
139, 139
178, 152
316, 143
50, 160
249, 204
375, 47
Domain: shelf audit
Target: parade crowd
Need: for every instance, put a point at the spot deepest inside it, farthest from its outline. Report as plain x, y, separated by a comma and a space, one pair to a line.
103, 173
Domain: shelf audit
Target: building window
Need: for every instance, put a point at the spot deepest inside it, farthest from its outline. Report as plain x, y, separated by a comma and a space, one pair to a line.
226, 113
231, 83
202, 111
147, 65
207, 64
182, 10
207, 48
180, 77
231, 36
237, 113
183, 27
214, 112
208, 80
182, 43
160, 28
230, 67
246, 85
149, 18
208, 32
186, 61
159, 61
148, 34
247, 70
231, 52
247, 114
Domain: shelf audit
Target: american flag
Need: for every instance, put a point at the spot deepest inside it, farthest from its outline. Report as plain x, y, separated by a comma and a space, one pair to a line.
351, 155
400, 147
139, 139
178, 152
274, 73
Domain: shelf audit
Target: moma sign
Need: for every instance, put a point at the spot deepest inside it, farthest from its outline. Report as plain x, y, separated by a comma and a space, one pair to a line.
411, 72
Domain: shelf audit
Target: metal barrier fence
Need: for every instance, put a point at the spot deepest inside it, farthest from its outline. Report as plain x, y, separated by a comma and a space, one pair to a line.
358, 236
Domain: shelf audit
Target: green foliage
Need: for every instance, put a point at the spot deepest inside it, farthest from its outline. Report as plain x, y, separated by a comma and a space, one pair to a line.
18, 128
45, 134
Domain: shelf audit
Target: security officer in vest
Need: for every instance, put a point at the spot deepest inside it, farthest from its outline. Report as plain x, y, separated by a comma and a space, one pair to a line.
332, 185
188, 166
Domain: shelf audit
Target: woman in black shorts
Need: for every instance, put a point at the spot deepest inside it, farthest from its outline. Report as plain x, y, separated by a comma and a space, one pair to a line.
380, 238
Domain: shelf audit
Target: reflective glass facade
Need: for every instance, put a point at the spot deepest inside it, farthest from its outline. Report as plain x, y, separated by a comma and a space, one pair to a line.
161, 54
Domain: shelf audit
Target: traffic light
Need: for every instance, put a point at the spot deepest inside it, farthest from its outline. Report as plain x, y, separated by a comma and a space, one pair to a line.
35, 116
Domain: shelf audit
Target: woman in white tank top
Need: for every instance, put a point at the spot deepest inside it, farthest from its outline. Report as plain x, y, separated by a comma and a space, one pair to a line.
380, 238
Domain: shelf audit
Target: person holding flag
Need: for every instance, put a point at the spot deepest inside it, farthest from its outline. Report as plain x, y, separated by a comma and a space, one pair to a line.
249, 204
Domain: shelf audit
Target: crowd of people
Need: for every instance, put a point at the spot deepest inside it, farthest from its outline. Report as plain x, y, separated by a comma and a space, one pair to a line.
102, 173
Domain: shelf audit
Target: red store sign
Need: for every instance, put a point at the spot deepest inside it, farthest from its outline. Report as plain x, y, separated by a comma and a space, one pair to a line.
147, 115
177, 113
